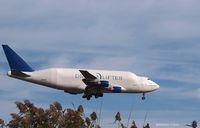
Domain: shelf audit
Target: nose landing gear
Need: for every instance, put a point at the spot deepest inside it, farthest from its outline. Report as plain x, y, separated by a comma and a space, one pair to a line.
143, 96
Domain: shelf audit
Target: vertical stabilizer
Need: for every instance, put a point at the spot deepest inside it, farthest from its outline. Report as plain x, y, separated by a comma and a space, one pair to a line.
15, 61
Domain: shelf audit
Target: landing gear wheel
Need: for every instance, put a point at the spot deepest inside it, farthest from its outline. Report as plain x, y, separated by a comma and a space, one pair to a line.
84, 96
143, 96
98, 95
101, 95
88, 97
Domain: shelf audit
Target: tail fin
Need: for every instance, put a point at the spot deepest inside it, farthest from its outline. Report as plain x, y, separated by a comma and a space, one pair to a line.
15, 61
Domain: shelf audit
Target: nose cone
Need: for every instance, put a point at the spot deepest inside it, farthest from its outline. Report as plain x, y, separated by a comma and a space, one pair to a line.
155, 86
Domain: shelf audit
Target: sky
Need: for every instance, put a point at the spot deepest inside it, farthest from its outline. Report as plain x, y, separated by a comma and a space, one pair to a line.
154, 38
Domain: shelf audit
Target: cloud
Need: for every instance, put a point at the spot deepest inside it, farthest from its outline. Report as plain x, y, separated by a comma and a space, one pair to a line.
151, 38
194, 93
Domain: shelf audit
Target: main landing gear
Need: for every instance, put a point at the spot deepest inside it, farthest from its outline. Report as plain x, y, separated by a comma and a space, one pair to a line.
88, 96
143, 96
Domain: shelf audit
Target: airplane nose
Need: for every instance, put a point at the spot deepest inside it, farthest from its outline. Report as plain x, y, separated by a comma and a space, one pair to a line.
155, 85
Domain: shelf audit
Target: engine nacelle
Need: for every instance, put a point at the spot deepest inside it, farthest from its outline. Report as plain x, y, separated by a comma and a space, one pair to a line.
117, 89
104, 83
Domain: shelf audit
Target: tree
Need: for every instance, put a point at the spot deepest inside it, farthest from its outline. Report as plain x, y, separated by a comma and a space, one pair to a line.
2, 123
118, 119
30, 116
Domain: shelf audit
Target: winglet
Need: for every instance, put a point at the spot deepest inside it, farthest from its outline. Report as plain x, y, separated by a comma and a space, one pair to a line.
15, 61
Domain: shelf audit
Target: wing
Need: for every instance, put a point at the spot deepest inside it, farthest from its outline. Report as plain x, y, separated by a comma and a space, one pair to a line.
87, 75
97, 86
93, 85
91, 80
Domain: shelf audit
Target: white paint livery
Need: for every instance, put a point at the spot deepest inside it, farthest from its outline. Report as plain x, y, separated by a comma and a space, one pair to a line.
75, 81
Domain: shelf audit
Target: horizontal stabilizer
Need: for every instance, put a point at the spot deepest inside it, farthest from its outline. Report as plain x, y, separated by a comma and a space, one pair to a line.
19, 73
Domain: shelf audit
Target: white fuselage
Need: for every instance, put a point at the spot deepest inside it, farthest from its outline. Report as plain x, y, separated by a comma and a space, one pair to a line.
70, 80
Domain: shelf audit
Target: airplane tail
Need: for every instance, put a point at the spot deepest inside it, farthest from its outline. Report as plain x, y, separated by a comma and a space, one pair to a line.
15, 61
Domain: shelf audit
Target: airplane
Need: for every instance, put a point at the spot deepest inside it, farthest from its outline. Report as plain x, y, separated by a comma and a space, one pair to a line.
76, 81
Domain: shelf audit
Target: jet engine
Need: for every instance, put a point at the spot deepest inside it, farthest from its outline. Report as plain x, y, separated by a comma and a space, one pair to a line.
104, 83
117, 89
